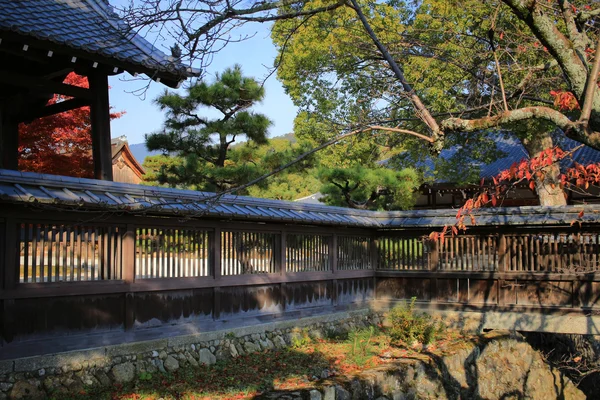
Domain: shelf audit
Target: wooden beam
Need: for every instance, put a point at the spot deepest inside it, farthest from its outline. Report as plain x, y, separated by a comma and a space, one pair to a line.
52, 109
100, 120
43, 85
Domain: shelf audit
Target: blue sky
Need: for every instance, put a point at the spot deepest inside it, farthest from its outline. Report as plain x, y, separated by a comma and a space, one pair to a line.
254, 55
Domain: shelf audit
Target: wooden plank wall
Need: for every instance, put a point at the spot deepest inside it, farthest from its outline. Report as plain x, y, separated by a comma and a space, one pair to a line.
64, 275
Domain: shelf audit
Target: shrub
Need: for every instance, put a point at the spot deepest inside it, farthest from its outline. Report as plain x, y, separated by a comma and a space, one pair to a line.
411, 326
335, 334
300, 338
361, 347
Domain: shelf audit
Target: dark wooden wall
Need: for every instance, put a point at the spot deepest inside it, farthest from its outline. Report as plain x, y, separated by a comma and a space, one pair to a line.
76, 282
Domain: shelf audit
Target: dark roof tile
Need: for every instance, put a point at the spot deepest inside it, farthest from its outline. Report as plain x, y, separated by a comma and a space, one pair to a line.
90, 26
27, 187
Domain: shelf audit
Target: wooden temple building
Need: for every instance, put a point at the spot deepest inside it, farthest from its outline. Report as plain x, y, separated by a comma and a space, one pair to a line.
125, 167
42, 41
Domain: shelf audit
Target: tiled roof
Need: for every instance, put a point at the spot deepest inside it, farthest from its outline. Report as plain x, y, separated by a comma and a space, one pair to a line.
88, 194
90, 26
515, 152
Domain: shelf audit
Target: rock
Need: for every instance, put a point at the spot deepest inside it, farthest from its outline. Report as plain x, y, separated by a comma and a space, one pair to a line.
189, 358
5, 386
222, 354
163, 355
251, 347
123, 373
103, 378
160, 365
171, 364
26, 390
206, 357
233, 351
342, 394
315, 395
279, 342
151, 367
51, 384
329, 393
267, 344
240, 349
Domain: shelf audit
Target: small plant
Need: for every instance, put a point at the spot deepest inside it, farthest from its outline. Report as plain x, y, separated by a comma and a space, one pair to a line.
145, 376
410, 326
361, 349
300, 338
230, 335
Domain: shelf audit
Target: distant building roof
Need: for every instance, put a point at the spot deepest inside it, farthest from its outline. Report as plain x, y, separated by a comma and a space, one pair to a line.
89, 194
92, 27
120, 147
515, 152
311, 199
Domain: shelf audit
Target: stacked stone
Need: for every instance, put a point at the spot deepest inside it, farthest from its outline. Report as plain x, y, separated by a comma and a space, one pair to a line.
32, 379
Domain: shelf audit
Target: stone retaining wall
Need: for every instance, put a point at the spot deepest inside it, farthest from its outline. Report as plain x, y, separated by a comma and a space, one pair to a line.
41, 376
499, 365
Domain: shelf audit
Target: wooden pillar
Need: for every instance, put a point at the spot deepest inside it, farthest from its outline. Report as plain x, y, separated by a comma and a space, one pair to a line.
374, 261
283, 269
333, 251
100, 121
9, 141
10, 261
215, 249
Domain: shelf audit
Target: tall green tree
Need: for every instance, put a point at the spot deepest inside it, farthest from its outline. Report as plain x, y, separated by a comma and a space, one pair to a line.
295, 182
468, 59
202, 143
430, 68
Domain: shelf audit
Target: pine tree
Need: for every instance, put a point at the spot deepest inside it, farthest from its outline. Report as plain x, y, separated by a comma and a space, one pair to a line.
204, 143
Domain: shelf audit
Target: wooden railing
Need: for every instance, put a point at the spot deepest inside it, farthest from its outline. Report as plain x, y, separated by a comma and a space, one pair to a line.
61, 275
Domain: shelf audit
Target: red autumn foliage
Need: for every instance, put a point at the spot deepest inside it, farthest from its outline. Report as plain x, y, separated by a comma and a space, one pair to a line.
527, 170
60, 144
565, 101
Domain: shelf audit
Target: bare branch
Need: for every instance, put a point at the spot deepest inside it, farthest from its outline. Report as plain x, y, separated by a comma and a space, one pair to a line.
415, 99
592, 84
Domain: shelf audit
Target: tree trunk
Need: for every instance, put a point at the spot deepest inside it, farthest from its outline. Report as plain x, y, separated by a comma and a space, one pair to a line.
548, 190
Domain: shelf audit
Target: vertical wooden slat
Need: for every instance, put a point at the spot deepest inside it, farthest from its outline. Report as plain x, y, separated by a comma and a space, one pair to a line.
50, 236
78, 231
101, 254
11, 260
42, 259
27, 239
128, 254
216, 253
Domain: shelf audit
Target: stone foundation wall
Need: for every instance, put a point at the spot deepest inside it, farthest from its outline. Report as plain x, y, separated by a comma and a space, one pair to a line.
42, 376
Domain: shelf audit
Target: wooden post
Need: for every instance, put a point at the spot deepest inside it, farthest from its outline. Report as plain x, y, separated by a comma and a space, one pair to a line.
216, 272
283, 269
501, 268
11, 268
128, 271
333, 251
100, 121
11, 252
374, 262
434, 260
9, 141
